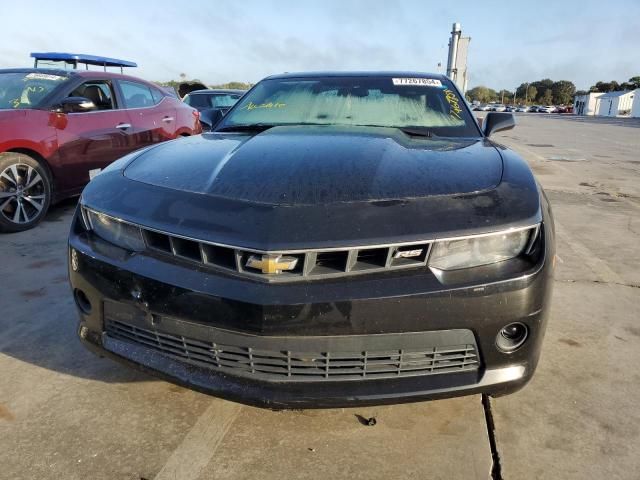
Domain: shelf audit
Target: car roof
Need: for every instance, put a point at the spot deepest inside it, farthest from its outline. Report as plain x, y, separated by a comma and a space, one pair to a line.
218, 90
77, 73
371, 74
52, 71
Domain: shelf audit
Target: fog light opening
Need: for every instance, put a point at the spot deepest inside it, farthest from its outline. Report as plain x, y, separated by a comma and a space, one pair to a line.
511, 337
82, 301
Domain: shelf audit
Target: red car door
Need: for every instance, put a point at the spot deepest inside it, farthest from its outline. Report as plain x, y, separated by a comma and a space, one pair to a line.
151, 114
90, 141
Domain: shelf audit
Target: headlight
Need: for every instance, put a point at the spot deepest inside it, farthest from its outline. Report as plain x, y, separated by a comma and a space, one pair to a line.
479, 250
115, 231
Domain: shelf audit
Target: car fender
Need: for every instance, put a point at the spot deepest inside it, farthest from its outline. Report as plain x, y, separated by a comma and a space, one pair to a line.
33, 133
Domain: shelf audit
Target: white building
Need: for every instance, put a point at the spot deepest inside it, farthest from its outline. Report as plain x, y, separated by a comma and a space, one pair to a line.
613, 104
586, 104
635, 109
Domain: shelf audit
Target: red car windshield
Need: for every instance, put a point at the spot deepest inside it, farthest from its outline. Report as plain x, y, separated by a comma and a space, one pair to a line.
26, 89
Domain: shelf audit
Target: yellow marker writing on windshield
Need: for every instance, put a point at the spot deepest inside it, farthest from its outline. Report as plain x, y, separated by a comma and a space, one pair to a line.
454, 104
253, 106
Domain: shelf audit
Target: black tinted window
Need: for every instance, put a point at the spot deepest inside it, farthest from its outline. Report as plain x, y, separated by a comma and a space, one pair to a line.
211, 100
198, 101
157, 95
136, 95
98, 91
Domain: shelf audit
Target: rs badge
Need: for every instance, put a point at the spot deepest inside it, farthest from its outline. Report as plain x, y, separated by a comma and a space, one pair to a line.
408, 253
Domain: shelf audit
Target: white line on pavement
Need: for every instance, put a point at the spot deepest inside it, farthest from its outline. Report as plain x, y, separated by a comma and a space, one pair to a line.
598, 266
200, 444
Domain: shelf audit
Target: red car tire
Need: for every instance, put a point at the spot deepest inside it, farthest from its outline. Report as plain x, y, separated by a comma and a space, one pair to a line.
25, 192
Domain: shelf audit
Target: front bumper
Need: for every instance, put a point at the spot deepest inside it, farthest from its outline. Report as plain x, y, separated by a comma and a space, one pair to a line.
159, 298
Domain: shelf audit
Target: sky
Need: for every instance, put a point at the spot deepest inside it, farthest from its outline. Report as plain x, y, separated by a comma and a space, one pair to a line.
245, 40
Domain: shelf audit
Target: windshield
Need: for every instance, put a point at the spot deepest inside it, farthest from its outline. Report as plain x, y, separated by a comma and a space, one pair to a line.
422, 103
26, 90
211, 100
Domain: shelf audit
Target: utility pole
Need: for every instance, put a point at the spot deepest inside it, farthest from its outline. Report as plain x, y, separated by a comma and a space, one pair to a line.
452, 71
526, 93
457, 58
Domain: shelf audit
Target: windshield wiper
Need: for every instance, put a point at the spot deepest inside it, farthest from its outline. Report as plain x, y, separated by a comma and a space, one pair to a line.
249, 127
417, 131
413, 131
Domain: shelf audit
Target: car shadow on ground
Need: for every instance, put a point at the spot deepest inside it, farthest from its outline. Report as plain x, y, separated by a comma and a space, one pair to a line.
38, 321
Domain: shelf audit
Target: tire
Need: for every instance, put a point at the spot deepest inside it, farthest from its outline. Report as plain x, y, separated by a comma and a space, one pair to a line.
25, 192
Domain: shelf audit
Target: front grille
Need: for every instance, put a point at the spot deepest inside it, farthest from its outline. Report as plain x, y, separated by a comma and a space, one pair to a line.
304, 264
337, 364
308, 264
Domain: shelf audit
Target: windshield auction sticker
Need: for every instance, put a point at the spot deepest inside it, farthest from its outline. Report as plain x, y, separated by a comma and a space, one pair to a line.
43, 76
420, 82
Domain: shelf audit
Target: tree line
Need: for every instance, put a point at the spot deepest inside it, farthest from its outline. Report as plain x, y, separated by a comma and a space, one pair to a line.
546, 92
183, 79
613, 86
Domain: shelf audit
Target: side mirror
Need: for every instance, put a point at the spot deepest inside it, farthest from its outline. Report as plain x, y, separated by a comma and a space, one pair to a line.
210, 118
497, 121
76, 105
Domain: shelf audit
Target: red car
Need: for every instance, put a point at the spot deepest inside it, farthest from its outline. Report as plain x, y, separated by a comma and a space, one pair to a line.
58, 128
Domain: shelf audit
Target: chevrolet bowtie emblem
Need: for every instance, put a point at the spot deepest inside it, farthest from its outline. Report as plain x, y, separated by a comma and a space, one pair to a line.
272, 264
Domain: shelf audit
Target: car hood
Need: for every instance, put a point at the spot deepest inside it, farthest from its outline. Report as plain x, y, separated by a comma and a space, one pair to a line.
290, 188
305, 165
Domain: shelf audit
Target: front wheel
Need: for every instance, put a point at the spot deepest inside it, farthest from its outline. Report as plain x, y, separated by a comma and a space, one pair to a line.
25, 192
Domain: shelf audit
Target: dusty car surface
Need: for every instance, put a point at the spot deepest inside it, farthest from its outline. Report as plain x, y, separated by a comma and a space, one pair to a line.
339, 239
59, 127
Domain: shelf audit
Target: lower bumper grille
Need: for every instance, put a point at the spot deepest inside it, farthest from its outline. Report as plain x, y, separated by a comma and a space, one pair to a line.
338, 361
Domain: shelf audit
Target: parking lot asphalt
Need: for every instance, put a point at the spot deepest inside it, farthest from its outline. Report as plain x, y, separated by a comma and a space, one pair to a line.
65, 413
579, 417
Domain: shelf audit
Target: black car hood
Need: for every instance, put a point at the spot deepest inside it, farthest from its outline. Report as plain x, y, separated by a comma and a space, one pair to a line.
320, 165
290, 188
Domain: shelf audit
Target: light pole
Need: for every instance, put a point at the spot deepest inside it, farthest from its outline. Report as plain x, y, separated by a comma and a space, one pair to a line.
526, 93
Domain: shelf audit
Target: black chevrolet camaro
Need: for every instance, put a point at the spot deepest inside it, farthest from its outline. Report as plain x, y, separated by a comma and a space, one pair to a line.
338, 239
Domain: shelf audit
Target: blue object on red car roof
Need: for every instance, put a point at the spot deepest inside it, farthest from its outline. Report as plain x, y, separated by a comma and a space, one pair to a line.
76, 58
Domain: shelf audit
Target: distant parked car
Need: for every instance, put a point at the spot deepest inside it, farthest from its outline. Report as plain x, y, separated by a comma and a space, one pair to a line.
523, 109
547, 109
564, 109
219, 98
59, 128
498, 108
